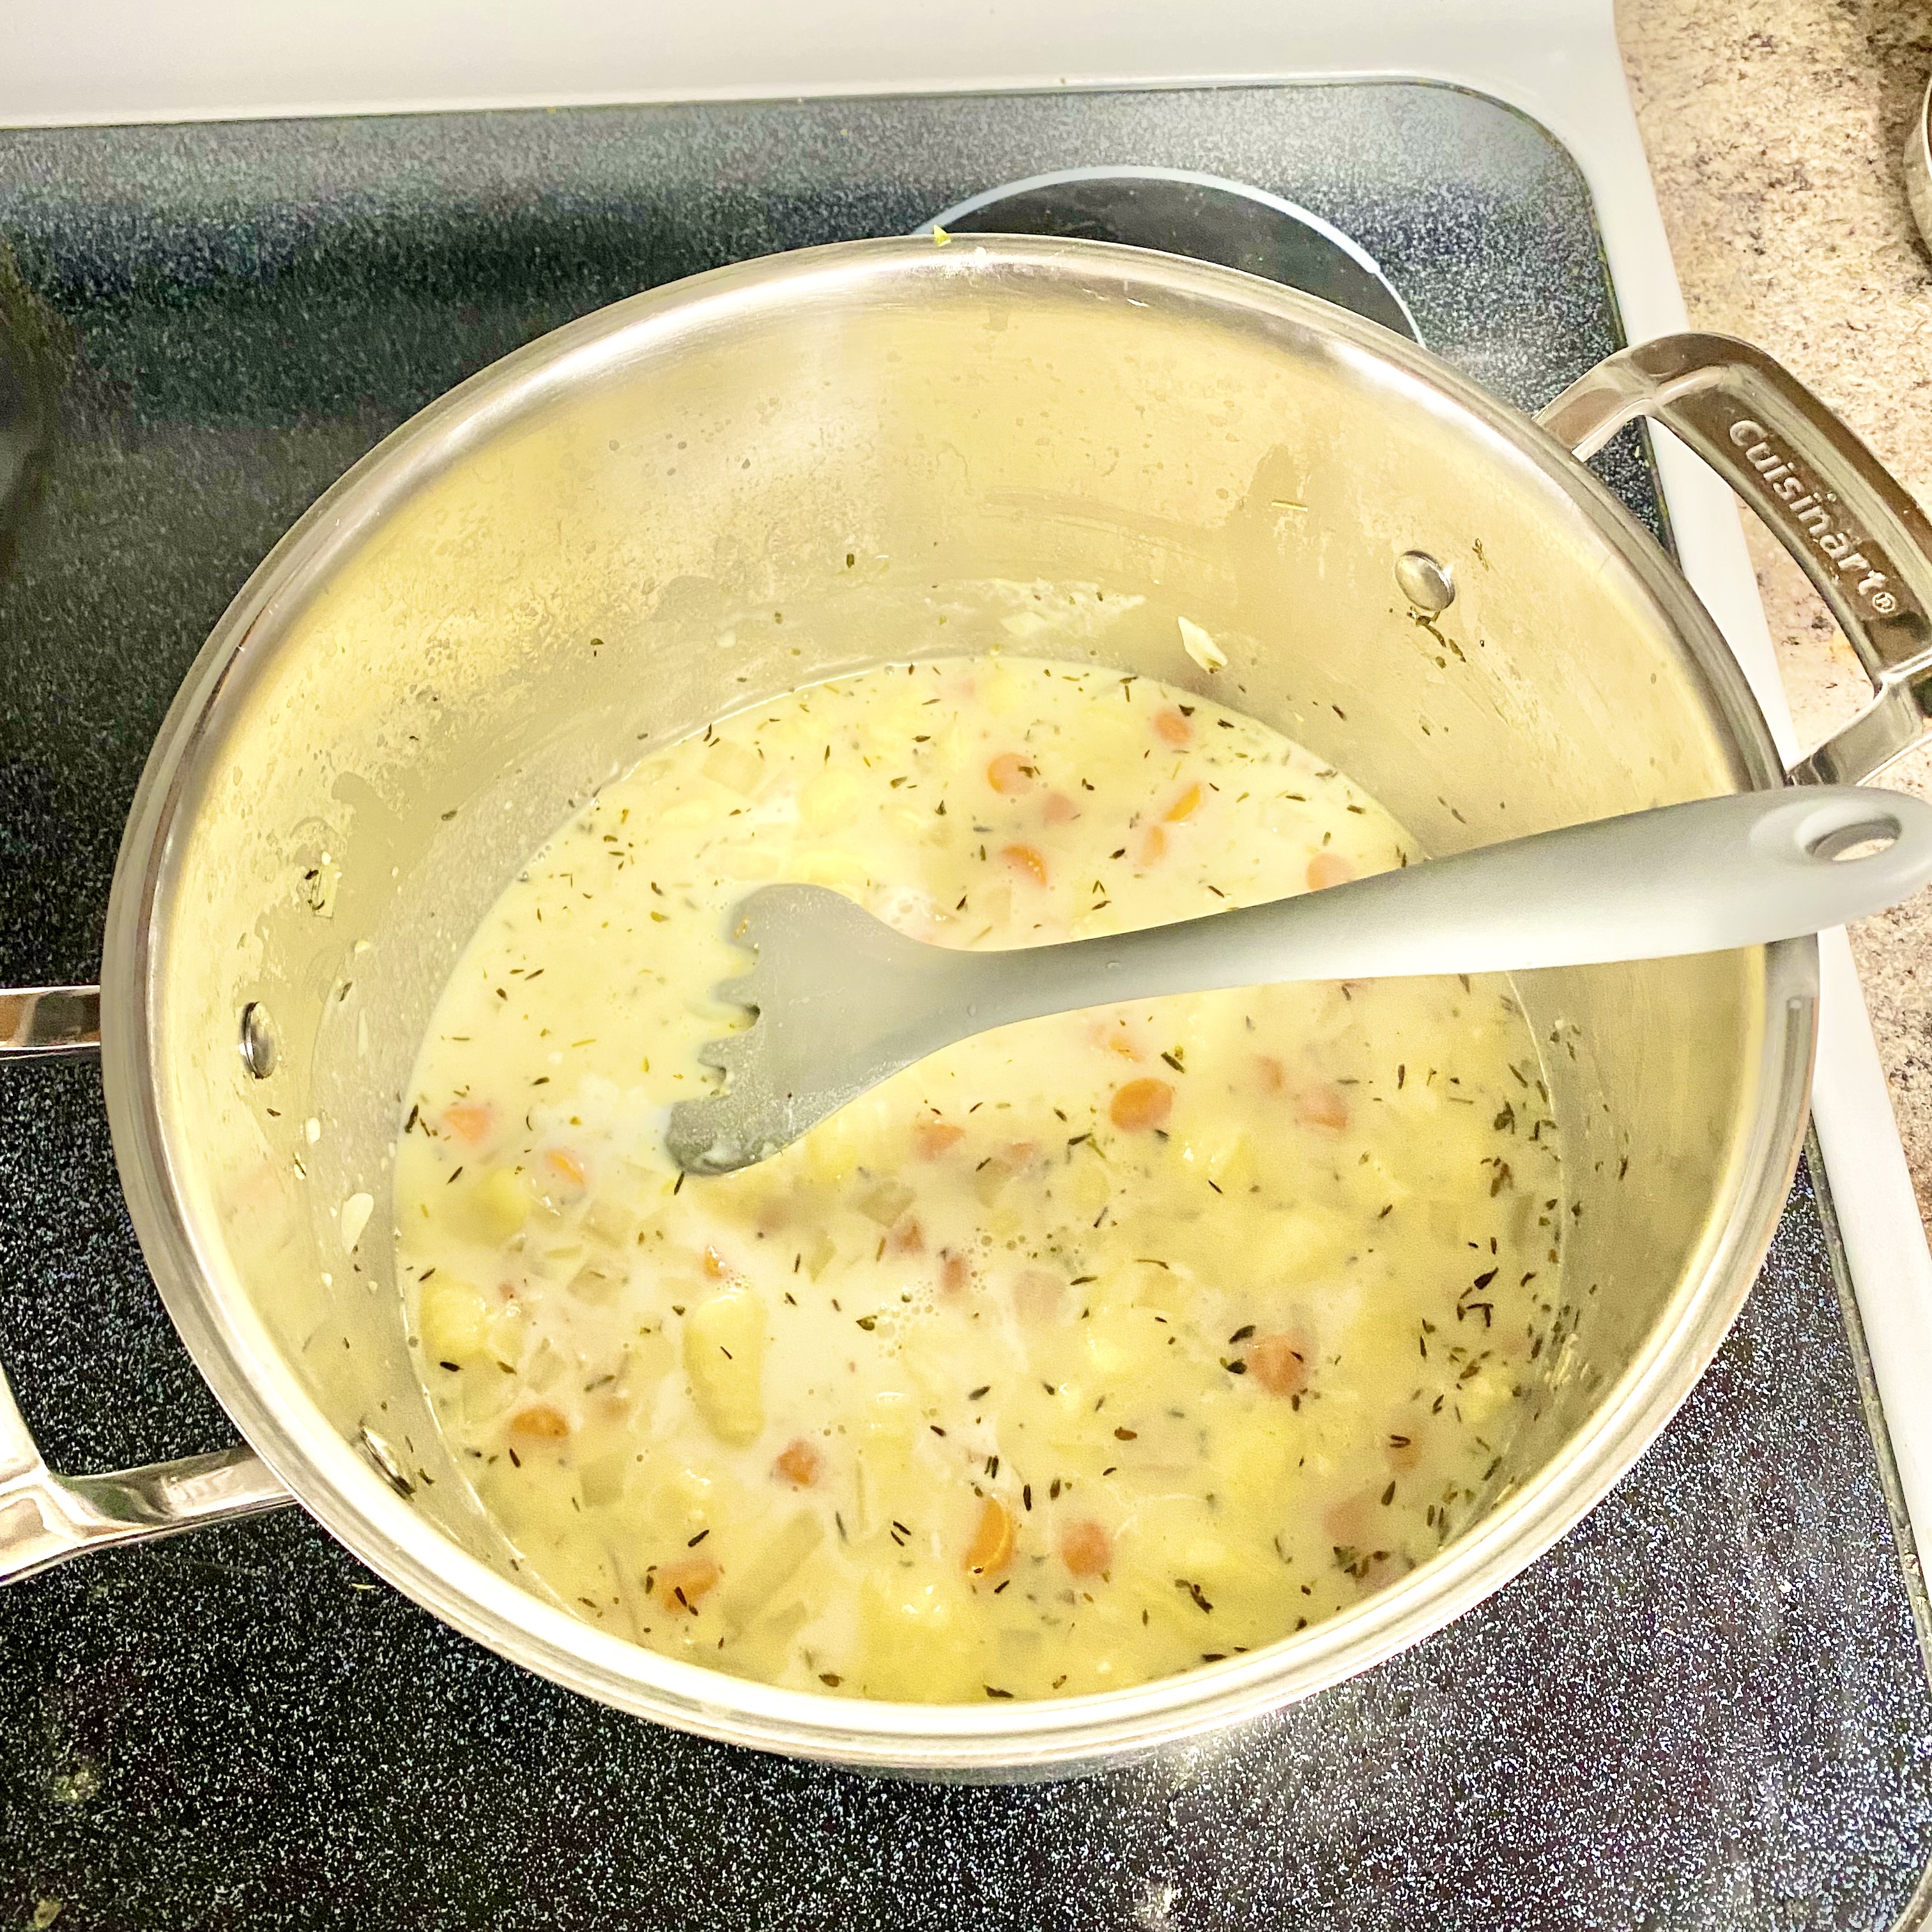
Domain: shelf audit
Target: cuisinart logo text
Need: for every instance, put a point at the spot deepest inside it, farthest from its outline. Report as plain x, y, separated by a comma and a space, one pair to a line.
1807, 505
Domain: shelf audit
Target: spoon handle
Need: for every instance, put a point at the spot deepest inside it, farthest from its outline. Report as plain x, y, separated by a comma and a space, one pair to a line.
1705, 877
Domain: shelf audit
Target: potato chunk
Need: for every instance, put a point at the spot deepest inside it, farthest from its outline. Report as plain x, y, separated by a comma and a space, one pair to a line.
493, 1206
724, 1357
453, 1319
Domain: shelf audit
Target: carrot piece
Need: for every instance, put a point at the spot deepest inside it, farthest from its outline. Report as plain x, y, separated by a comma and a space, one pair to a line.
1185, 806
1059, 809
1322, 1105
541, 1422
1027, 859
1267, 1071
469, 1121
713, 1265
798, 1463
1141, 1104
1114, 1036
907, 1238
685, 1583
955, 1274
930, 1139
1086, 1548
1405, 1451
1279, 1363
566, 1166
1150, 848
1328, 868
992, 1548
1039, 1295
1351, 1521
1383, 1569
1009, 775
1172, 727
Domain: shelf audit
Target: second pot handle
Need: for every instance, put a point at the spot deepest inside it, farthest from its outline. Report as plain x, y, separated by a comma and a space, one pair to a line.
1853, 529
46, 1518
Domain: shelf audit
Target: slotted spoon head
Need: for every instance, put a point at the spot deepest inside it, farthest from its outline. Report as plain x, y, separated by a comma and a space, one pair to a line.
839, 1002
842, 1002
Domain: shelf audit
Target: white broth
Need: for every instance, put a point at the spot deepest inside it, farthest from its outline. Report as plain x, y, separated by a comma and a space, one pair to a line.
1081, 1353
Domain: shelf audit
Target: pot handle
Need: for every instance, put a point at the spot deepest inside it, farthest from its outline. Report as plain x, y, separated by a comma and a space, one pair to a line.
46, 1518
1852, 528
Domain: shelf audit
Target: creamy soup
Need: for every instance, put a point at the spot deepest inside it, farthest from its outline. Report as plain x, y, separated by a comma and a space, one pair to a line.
1094, 1349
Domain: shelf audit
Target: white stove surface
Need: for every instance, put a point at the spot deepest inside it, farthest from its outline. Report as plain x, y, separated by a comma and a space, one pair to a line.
1557, 61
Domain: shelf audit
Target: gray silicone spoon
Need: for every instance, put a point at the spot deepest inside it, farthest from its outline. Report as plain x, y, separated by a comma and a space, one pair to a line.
842, 1002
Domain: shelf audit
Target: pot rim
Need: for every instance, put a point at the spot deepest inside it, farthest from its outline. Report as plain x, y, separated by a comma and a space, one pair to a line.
231, 1347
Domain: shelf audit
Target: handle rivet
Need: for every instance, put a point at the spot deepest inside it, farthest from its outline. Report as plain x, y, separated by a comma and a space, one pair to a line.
1427, 584
259, 1047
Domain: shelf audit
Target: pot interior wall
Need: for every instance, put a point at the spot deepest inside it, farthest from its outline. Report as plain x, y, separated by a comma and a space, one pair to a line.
657, 517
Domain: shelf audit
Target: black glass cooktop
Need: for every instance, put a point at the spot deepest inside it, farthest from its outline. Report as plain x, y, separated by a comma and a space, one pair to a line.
1708, 1707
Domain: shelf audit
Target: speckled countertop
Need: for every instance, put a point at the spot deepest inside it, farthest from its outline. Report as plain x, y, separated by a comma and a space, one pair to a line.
1775, 132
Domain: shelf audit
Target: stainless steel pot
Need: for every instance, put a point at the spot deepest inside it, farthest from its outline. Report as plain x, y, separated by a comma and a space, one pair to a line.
701, 497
